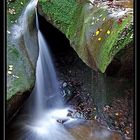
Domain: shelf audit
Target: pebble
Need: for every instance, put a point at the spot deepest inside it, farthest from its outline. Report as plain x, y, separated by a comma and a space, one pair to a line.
64, 84
95, 117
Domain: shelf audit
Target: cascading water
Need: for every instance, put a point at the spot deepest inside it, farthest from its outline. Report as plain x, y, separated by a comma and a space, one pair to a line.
46, 87
45, 103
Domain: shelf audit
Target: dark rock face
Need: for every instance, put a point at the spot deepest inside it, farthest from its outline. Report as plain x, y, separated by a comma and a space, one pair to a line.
123, 64
14, 104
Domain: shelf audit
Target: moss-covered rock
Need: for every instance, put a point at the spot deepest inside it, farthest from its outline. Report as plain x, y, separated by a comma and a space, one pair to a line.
14, 10
22, 53
95, 34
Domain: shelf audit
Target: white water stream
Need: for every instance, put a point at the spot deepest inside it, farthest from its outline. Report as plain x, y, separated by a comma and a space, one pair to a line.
47, 106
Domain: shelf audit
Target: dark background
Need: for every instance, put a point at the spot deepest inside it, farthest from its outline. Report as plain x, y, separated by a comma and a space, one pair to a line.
2, 67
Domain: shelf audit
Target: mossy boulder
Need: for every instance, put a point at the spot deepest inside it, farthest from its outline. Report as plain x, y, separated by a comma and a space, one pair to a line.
22, 53
95, 34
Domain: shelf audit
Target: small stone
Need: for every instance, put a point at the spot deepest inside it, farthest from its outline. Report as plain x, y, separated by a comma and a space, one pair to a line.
95, 117
64, 84
117, 114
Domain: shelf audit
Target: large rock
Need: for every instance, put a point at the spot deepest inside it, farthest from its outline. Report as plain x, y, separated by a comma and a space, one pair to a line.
95, 33
22, 53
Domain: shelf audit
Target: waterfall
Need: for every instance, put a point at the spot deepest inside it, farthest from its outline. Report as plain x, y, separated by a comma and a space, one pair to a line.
44, 110
46, 91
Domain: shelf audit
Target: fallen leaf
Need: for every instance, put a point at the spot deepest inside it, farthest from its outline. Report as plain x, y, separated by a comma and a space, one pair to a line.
10, 68
104, 19
108, 32
117, 114
97, 32
9, 72
99, 39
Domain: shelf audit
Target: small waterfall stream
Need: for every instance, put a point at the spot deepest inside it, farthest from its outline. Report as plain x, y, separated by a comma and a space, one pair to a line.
48, 105
46, 90
45, 106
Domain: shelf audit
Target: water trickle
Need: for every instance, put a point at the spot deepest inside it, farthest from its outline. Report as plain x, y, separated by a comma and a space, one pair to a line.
46, 90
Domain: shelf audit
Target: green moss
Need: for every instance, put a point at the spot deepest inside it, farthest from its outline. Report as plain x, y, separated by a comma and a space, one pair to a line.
75, 20
19, 85
11, 18
25, 79
13, 54
111, 46
63, 13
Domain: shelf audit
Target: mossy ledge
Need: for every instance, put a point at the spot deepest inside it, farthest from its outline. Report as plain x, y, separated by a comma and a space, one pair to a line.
79, 22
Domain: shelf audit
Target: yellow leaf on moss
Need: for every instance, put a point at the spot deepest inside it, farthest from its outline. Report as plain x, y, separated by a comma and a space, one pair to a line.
108, 32
104, 19
97, 32
10, 68
9, 72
